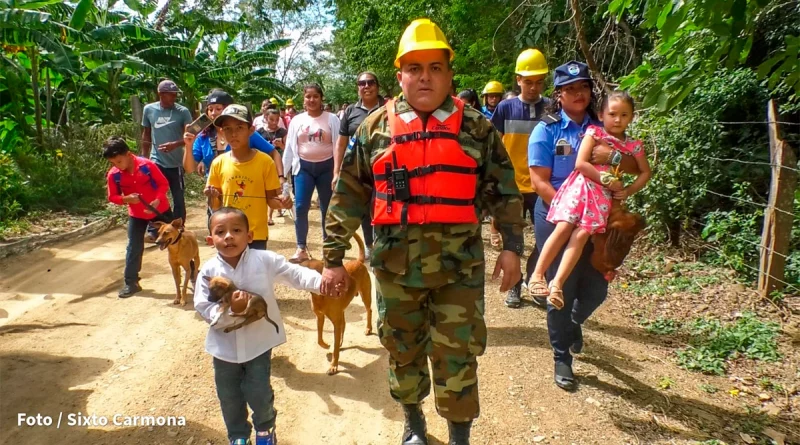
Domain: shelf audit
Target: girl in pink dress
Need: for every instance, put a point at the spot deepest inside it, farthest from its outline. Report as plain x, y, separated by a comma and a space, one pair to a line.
582, 204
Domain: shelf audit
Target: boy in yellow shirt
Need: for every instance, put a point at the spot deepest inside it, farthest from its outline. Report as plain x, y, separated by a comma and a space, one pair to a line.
244, 178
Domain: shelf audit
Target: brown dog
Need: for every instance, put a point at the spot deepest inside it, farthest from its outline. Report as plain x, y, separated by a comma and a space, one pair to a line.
243, 304
611, 247
183, 252
333, 308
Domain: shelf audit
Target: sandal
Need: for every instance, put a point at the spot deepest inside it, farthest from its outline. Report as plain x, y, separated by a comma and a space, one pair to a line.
271, 222
556, 297
299, 256
538, 288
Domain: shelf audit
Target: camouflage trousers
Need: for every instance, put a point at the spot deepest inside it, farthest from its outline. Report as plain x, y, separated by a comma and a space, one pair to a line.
444, 323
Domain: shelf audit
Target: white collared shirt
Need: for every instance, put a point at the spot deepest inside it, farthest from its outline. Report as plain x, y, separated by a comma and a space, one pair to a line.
257, 271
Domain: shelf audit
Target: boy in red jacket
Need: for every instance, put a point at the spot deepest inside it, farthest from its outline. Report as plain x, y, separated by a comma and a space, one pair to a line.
138, 183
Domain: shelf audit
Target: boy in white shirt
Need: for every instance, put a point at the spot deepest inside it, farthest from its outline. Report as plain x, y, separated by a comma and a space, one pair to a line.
242, 357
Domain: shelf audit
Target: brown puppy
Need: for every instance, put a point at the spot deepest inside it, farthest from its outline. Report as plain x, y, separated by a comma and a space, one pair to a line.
243, 304
611, 247
183, 252
333, 308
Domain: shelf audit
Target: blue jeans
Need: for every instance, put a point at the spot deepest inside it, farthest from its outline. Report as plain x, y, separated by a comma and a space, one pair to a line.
584, 291
133, 255
242, 384
312, 175
175, 178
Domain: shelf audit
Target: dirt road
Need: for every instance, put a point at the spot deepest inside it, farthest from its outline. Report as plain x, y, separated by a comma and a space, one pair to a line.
68, 345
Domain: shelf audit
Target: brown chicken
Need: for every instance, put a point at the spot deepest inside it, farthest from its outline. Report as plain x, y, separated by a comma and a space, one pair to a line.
611, 247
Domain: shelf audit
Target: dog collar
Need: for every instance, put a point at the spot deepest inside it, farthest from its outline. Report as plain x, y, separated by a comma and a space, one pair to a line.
180, 234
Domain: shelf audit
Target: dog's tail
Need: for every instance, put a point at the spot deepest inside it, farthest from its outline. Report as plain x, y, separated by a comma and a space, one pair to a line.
361, 253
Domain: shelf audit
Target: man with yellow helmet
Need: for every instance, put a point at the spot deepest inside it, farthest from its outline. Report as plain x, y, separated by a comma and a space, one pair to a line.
492, 95
514, 119
427, 166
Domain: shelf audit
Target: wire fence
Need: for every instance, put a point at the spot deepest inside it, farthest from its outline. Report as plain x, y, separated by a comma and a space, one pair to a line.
738, 248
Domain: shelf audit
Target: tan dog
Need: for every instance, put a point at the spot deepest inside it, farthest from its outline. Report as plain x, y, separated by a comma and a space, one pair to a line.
183, 252
242, 303
333, 308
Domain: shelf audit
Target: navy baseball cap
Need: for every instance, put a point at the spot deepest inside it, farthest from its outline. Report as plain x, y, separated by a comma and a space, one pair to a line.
570, 72
168, 86
220, 97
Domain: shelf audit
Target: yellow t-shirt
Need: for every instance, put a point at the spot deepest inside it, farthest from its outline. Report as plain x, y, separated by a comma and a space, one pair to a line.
244, 186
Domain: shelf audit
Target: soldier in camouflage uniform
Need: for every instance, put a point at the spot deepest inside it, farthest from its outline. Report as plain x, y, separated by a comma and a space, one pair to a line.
430, 276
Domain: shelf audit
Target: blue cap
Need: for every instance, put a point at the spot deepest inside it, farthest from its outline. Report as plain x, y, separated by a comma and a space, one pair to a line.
570, 72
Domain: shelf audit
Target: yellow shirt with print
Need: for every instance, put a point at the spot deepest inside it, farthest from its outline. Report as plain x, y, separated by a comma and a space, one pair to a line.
244, 186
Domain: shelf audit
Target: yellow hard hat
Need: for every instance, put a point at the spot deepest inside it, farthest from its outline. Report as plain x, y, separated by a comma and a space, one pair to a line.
531, 63
273, 101
420, 35
289, 103
493, 87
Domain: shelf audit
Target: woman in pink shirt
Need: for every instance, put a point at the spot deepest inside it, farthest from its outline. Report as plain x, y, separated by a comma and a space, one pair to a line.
309, 156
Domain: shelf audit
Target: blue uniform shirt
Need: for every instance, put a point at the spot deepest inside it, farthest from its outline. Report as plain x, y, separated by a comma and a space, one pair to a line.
544, 139
486, 112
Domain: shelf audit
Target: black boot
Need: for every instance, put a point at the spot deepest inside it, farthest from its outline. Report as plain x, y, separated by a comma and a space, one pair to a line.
459, 432
414, 430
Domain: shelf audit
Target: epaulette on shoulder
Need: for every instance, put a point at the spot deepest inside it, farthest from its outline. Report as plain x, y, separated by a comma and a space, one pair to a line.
551, 118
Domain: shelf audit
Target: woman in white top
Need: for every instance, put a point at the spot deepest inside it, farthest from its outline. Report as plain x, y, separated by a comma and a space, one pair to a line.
309, 151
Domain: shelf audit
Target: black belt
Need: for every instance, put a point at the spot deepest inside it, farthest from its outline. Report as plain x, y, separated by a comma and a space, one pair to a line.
423, 135
417, 199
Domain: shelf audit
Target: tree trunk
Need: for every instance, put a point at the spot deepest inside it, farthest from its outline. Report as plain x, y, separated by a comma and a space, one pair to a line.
577, 20
37, 103
49, 100
113, 89
162, 16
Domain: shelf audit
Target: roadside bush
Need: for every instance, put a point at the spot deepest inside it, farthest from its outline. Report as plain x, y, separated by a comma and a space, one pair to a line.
65, 175
697, 184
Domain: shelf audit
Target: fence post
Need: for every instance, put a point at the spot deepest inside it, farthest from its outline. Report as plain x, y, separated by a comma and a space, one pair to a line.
778, 217
136, 112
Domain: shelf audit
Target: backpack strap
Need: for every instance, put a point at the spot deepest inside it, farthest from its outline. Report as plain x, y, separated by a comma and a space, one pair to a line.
117, 177
146, 170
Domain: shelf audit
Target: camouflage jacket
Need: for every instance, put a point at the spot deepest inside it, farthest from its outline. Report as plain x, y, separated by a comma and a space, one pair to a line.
426, 255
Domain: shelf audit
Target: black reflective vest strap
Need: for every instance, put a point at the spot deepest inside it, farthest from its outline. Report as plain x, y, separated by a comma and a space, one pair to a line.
418, 199
428, 169
423, 135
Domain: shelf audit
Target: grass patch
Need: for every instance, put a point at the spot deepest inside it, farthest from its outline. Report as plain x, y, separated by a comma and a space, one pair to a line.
661, 326
711, 389
713, 343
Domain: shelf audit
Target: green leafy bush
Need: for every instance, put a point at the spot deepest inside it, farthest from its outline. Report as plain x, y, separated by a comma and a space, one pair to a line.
67, 174
714, 343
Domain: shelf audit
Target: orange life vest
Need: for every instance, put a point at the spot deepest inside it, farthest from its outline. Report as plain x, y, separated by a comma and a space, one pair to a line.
442, 178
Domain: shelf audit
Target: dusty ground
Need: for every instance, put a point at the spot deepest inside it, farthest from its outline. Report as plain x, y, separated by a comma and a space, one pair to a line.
68, 345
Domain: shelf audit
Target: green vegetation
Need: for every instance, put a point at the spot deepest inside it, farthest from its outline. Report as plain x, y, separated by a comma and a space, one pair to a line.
711, 389
661, 326
713, 343
68, 70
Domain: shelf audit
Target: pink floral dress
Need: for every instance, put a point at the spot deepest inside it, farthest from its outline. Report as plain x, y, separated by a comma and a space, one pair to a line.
583, 202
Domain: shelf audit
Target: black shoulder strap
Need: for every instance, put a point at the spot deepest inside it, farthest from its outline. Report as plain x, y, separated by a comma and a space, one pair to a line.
551, 118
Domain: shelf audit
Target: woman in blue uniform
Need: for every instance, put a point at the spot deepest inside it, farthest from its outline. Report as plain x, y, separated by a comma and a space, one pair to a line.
552, 151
